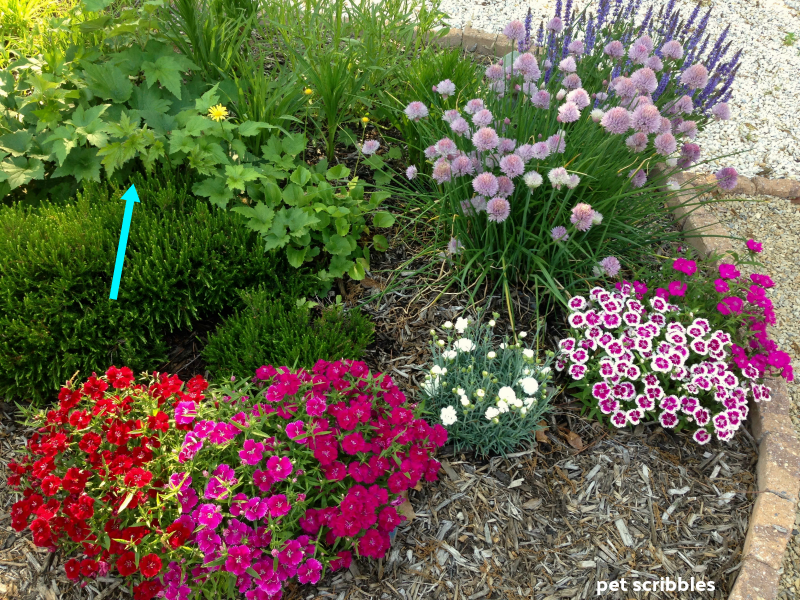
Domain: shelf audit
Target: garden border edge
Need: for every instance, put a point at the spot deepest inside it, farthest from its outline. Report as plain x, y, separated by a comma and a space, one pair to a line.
778, 466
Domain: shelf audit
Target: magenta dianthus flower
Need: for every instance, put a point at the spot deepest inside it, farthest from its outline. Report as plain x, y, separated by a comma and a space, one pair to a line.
278, 506
279, 467
238, 560
498, 210
754, 246
209, 515
677, 288
309, 571
684, 265
185, 412
252, 452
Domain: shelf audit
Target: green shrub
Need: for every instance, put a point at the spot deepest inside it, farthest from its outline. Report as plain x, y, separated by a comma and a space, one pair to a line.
272, 332
184, 262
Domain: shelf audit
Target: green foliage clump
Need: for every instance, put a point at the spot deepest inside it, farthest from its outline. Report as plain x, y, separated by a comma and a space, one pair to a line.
184, 262
284, 333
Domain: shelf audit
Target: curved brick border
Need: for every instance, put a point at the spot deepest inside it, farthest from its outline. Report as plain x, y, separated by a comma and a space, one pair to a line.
778, 468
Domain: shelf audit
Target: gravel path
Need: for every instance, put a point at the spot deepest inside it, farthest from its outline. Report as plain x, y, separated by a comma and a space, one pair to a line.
776, 223
765, 106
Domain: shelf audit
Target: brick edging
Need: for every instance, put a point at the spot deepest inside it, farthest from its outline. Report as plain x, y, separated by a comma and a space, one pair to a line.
778, 467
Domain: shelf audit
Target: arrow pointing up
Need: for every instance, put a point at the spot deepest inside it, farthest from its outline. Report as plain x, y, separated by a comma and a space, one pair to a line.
131, 197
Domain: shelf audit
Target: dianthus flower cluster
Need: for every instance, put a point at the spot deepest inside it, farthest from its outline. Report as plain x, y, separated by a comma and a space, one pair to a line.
94, 460
258, 493
657, 355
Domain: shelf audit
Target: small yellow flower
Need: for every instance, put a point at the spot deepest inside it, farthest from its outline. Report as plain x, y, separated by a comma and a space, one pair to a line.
218, 112
365, 120
308, 91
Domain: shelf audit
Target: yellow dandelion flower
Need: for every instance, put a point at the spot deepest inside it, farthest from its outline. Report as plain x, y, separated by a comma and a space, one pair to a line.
308, 91
365, 120
218, 112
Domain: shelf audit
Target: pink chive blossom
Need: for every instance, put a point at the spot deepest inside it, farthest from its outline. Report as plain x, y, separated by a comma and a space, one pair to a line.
721, 111
666, 125
450, 115
561, 94
616, 121
430, 152
582, 215
485, 138
576, 47
638, 53
515, 30
579, 97
474, 106
416, 110
541, 150
690, 153
557, 142
646, 119
665, 144
695, 77
610, 266
559, 234
638, 178
688, 128
454, 246
446, 88
541, 99
614, 49
445, 147
527, 65
637, 142
568, 113
624, 87
654, 63
460, 126
645, 80
555, 25
683, 105
494, 72
567, 65
726, 178
485, 184
505, 187
506, 145
441, 171
532, 179
525, 152
498, 210
572, 81
672, 50
411, 172
462, 165
370, 147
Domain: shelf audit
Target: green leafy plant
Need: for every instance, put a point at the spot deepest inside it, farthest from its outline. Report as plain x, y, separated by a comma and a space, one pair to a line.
790, 39
490, 397
269, 331
184, 262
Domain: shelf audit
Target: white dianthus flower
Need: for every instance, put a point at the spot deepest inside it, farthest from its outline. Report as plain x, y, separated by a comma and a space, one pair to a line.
516, 403
506, 393
491, 413
480, 393
461, 324
449, 354
459, 391
502, 346
491, 355
448, 416
545, 371
464, 345
447, 325
430, 385
464, 400
440, 343
492, 323
523, 411
527, 353
529, 385
437, 370
523, 335
530, 402
502, 406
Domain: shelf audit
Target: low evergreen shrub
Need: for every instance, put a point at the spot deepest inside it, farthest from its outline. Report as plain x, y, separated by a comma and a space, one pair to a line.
184, 262
268, 331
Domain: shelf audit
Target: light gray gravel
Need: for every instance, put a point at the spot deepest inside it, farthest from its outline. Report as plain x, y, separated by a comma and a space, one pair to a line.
776, 223
765, 106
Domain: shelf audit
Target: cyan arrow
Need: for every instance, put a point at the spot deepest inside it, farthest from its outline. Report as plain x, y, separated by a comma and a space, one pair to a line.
130, 197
